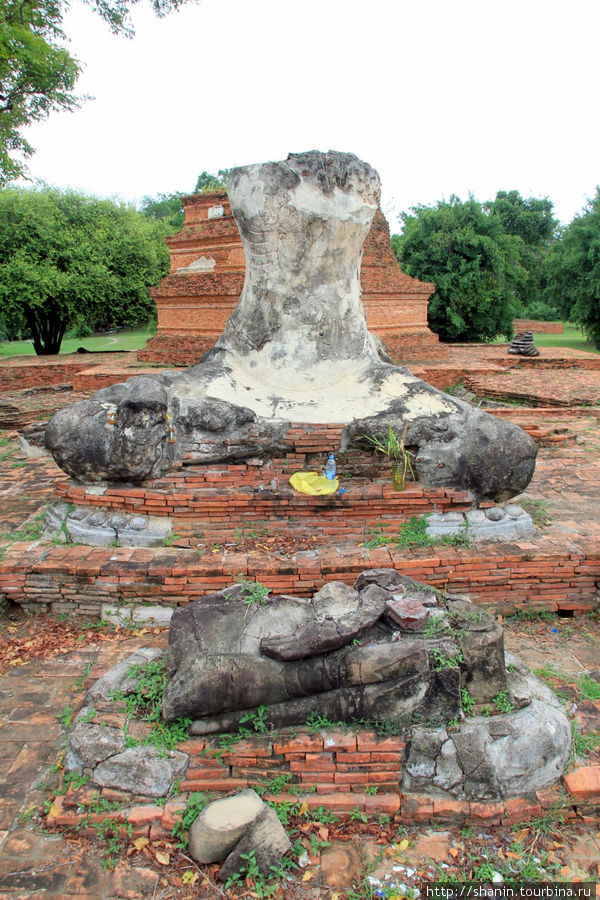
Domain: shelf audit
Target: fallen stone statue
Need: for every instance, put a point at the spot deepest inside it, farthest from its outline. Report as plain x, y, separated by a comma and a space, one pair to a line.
387, 651
295, 349
364, 653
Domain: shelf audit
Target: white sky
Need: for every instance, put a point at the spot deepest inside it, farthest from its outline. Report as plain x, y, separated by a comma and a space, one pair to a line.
440, 97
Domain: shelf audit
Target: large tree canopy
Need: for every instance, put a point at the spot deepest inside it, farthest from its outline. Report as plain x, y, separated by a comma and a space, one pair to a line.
37, 73
473, 262
64, 256
530, 219
573, 271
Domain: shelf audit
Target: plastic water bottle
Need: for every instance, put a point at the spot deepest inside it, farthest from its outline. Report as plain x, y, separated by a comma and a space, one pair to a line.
330, 467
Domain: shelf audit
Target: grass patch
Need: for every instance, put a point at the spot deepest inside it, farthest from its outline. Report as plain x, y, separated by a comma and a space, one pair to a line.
589, 688
531, 615
145, 702
121, 340
538, 510
414, 534
30, 531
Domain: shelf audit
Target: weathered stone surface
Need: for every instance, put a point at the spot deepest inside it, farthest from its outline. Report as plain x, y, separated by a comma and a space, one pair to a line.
142, 770
499, 523
396, 699
340, 648
461, 447
141, 615
221, 824
266, 838
227, 657
494, 757
220, 675
90, 744
96, 526
120, 434
481, 641
206, 685
295, 349
340, 614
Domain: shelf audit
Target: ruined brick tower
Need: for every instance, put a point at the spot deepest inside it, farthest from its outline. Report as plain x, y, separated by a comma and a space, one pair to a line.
206, 278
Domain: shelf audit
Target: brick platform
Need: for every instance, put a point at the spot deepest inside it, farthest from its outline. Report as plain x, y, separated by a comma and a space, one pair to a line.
79, 580
556, 570
339, 771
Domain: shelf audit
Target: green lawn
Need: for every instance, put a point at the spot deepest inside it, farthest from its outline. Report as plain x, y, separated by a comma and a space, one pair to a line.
571, 337
122, 340
135, 340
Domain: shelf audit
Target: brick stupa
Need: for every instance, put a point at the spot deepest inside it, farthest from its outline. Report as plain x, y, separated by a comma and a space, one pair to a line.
206, 279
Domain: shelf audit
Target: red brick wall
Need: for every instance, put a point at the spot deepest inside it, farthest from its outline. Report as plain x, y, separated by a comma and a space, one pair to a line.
337, 767
78, 579
538, 327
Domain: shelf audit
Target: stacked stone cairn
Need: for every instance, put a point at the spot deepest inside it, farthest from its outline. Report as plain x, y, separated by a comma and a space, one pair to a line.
522, 344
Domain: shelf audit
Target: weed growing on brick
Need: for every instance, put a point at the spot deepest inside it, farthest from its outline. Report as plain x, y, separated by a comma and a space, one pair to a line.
253, 592
414, 534
582, 744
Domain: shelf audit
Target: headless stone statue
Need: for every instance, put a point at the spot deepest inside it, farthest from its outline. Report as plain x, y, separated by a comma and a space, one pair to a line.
295, 349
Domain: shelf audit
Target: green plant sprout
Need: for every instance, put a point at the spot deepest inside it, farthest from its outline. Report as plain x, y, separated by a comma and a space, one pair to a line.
396, 452
253, 592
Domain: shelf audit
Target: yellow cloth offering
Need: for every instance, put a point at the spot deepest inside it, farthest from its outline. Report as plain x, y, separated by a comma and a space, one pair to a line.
313, 483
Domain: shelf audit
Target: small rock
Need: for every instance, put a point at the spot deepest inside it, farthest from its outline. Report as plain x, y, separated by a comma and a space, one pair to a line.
221, 824
266, 838
90, 744
138, 523
475, 516
512, 510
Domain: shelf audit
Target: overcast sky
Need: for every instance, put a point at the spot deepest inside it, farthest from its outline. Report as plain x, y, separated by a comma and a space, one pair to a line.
440, 97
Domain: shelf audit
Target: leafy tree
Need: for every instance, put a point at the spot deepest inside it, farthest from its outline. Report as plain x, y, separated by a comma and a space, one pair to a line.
66, 258
37, 73
166, 209
532, 221
207, 182
573, 270
473, 263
